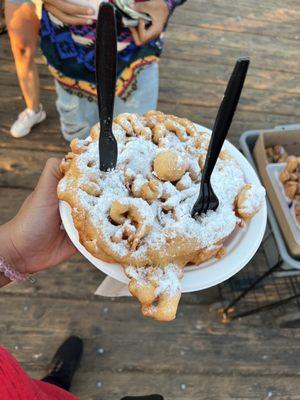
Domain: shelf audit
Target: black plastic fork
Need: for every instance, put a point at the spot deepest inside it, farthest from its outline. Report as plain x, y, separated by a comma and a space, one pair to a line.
207, 199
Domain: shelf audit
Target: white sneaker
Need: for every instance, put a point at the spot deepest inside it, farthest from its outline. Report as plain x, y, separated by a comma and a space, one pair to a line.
26, 120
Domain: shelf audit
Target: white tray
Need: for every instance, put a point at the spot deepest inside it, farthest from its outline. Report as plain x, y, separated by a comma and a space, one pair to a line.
247, 143
273, 171
241, 245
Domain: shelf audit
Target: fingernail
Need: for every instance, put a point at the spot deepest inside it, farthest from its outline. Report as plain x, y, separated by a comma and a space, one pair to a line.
89, 21
90, 11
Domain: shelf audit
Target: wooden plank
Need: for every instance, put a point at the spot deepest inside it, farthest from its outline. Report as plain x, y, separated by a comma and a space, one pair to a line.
74, 279
45, 136
77, 279
10, 202
237, 17
200, 52
215, 52
193, 338
9, 79
54, 142
19, 168
192, 71
211, 95
205, 96
265, 82
249, 6
233, 40
242, 122
116, 385
185, 386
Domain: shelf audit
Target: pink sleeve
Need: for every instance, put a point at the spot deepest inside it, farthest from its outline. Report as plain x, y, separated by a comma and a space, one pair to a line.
15, 384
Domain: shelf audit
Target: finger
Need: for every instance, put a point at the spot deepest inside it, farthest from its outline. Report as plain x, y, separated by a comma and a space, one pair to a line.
49, 179
70, 246
70, 8
64, 250
67, 248
135, 36
67, 19
142, 30
148, 34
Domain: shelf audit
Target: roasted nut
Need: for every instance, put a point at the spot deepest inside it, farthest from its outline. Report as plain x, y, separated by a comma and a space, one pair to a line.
284, 176
152, 190
290, 189
91, 188
169, 166
291, 163
184, 183
159, 131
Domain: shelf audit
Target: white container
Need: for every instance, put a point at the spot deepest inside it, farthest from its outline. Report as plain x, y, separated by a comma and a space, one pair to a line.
273, 171
241, 245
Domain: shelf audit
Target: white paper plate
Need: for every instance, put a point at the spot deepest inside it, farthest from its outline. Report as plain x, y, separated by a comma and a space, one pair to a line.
241, 245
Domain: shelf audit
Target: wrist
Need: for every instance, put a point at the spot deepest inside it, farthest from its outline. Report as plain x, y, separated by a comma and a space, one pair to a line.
8, 250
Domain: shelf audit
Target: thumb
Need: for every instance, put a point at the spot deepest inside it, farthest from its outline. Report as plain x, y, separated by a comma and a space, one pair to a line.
49, 178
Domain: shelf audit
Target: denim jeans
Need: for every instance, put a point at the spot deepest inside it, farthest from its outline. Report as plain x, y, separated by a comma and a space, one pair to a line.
78, 115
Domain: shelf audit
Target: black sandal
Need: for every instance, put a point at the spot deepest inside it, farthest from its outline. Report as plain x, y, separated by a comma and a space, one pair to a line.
65, 363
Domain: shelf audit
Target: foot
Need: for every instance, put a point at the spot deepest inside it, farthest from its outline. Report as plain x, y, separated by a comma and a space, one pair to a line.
65, 363
3, 28
26, 120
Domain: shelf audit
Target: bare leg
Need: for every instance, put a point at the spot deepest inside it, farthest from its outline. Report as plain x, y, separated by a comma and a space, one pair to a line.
23, 28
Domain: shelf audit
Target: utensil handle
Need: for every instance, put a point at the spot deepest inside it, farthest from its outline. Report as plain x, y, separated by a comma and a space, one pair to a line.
106, 64
225, 114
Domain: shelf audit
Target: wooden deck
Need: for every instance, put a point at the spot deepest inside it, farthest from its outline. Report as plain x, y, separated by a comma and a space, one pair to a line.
196, 357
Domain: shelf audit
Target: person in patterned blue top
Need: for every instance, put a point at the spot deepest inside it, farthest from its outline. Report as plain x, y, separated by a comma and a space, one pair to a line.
67, 41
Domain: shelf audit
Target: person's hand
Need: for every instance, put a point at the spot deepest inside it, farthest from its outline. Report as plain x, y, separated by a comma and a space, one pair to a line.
68, 13
33, 240
159, 13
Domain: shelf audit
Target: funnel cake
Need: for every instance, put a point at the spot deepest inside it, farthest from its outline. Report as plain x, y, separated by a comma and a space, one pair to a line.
139, 215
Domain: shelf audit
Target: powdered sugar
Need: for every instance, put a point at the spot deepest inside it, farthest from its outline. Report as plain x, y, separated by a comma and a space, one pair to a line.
165, 279
254, 197
186, 181
138, 155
